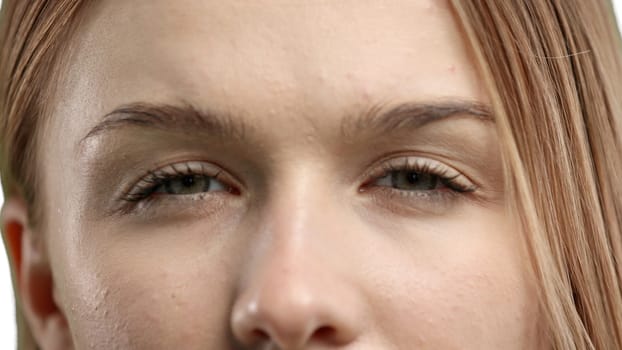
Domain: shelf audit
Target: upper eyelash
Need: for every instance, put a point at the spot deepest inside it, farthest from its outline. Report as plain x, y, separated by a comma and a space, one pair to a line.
155, 178
425, 167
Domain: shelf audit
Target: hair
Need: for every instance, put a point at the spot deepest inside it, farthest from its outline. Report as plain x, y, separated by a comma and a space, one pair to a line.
33, 36
553, 70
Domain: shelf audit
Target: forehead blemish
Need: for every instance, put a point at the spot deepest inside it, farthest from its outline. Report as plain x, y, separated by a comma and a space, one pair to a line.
361, 89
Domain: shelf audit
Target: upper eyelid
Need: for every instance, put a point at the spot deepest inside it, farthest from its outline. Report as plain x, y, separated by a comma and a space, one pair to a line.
403, 161
420, 163
163, 171
450, 170
429, 165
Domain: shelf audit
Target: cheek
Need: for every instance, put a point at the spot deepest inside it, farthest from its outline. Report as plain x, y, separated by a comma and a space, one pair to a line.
458, 284
151, 290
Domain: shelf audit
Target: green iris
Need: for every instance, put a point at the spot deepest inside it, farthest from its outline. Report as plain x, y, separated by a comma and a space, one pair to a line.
414, 181
187, 184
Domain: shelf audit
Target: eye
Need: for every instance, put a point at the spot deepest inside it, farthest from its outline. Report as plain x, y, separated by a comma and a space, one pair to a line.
408, 180
189, 184
418, 175
179, 179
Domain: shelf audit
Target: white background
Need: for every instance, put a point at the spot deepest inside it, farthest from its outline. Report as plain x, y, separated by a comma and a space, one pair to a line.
7, 312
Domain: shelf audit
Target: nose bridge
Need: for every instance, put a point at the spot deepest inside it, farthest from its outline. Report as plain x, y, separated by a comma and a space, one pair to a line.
291, 287
295, 204
288, 258
298, 206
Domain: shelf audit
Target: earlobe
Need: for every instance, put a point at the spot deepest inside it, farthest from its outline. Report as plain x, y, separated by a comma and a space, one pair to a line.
33, 277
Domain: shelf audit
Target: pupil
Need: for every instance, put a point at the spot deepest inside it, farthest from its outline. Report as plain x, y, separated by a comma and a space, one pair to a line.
188, 181
412, 177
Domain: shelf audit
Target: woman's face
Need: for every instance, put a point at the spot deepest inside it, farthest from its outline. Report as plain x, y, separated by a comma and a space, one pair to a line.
280, 175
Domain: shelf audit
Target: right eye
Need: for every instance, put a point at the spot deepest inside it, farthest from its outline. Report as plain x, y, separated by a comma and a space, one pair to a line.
188, 184
179, 179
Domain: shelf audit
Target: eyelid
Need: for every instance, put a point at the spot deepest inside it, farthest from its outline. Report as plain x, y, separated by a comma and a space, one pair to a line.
404, 162
179, 168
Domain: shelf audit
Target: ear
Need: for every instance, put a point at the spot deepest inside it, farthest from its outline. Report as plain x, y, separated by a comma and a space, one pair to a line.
33, 280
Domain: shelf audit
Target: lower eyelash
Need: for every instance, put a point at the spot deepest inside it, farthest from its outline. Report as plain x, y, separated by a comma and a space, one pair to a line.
429, 196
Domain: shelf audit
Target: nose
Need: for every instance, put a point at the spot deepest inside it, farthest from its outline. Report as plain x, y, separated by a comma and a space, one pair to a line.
295, 294
288, 319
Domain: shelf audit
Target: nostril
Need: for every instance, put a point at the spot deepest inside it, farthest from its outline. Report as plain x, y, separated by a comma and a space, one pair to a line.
326, 334
259, 335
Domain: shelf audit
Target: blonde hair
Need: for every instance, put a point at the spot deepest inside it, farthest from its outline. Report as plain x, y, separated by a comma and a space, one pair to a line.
553, 71
33, 36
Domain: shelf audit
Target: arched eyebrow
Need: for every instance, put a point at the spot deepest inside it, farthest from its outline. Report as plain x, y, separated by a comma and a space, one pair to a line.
378, 119
177, 118
382, 119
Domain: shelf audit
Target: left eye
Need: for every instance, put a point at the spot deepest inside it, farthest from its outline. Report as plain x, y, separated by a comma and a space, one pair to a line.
408, 180
188, 184
420, 175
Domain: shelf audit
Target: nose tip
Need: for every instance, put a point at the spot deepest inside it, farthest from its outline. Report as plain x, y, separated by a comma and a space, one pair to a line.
288, 322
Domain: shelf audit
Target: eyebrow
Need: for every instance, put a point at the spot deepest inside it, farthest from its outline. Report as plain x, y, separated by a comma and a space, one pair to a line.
184, 118
379, 118
383, 119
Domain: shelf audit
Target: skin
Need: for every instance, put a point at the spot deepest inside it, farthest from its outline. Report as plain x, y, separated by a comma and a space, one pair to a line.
303, 243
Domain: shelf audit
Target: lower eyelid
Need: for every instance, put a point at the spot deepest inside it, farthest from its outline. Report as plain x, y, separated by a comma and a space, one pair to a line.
167, 207
414, 194
414, 204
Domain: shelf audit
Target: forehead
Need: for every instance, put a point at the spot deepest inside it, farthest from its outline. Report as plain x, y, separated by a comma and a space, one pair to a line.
265, 58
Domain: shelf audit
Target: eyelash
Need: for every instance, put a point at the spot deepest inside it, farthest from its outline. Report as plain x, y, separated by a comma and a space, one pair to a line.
453, 180
146, 188
454, 183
